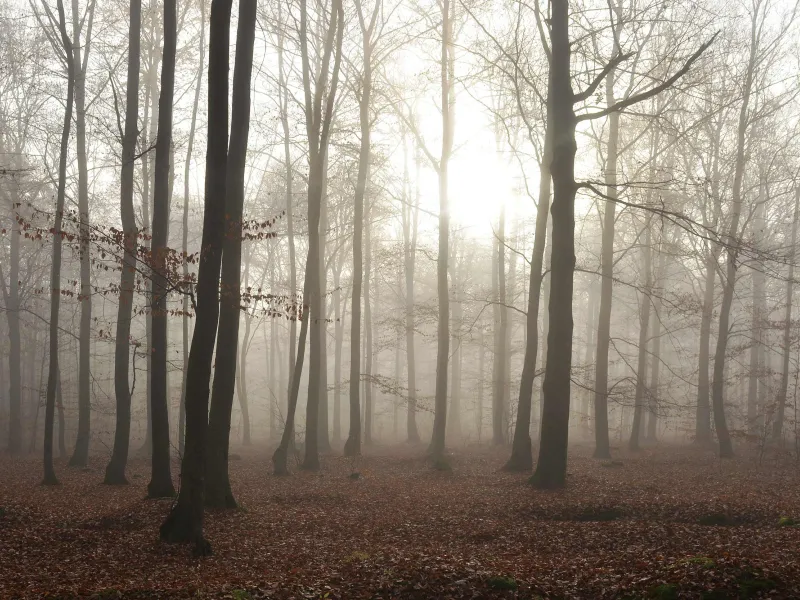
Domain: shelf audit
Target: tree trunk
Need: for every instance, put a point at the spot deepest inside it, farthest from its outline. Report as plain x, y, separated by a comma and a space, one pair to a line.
80, 456
718, 384
323, 432
368, 408
551, 469
781, 400
55, 268
644, 323
602, 443
218, 487
161, 480
185, 520
443, 329
521, 458
410, 229
115, 471
756, 385
185, 238
352, 446
652, 422
14, 338
500, 358
284, 109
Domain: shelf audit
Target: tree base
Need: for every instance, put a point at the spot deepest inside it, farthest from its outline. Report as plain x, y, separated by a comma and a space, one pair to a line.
220, 497
115, 476
352, 447
181, 528
311, 463
160, 489
519, 463
80, 458
280, 461
50, 479
602, 454
545, 481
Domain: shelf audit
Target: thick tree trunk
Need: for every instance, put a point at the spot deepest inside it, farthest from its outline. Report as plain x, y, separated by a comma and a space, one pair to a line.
185, 521
115, 471
55, 267
218, 487
551, 469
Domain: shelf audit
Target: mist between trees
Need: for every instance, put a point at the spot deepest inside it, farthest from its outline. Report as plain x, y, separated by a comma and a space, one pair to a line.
323, 227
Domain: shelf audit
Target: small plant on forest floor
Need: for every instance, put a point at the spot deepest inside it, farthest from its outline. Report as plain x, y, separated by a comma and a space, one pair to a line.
665, 591
241, 595
783, 522
502, 582
703, 561
356, 556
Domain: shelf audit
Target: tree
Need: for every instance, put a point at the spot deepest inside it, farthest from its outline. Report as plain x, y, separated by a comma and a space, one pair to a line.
218, 487
80, 456
551, 469
115, 471
55, 268
161, 482
318, 124
185, 521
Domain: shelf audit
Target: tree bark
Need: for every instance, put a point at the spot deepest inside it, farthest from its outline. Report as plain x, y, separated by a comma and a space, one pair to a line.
218, 488
115, 471
185, 520
185, 232
161, 480
551, 469
55, 268
80, 456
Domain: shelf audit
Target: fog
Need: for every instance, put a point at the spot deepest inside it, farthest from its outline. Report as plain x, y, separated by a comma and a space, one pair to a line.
464, 233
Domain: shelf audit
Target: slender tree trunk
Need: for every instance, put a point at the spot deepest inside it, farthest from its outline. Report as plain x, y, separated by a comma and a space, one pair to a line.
80, 456
115, 471
55, 269
410, 229
14, 338
781, 400
62, 424
437, 445
185, 521
368, 407
602, 443
161, 480
718, 384
337, 359
652, 422
521, 458
284, 109
756, 385
323, 432
185, 238
644, 323
352, 446
500, 358
218, 487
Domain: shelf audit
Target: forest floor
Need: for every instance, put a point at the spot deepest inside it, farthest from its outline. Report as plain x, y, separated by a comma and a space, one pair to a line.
665, 523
